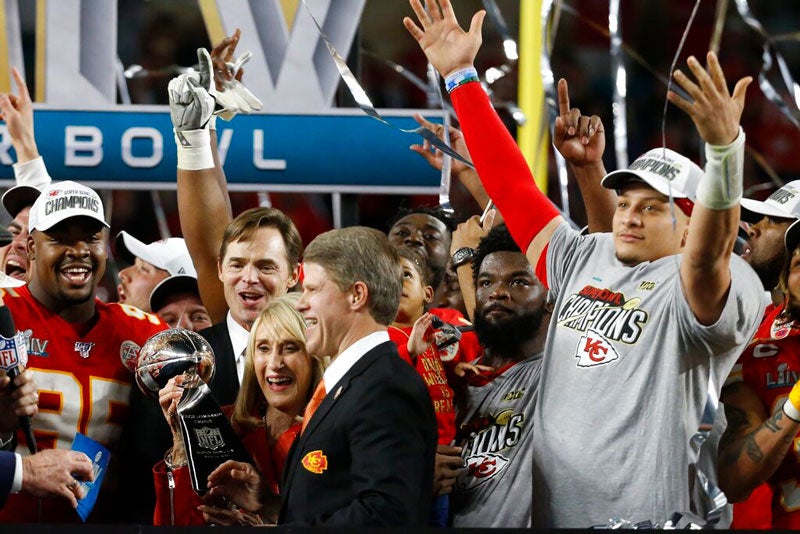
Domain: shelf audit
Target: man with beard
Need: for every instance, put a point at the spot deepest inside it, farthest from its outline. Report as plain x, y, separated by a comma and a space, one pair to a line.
766, 254
769, 221
511, 318
762, 403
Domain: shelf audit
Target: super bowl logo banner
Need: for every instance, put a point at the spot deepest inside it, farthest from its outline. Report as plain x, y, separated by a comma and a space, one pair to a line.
290, 70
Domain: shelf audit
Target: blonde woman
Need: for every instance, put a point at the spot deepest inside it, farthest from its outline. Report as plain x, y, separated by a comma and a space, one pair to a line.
279, 378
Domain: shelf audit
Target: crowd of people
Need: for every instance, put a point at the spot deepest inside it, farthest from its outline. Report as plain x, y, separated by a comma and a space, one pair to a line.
508, 371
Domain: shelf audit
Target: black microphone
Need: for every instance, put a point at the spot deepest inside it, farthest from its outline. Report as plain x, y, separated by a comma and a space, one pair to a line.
10, 355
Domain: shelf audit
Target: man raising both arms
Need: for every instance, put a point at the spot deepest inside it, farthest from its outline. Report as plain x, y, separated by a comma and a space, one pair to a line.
648, 319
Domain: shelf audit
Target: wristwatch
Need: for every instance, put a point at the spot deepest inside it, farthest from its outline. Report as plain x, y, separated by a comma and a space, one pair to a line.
462, 256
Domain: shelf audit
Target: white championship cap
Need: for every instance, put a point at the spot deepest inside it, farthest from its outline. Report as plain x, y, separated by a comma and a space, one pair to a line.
170, 254
60, 201
664, 170
783, 203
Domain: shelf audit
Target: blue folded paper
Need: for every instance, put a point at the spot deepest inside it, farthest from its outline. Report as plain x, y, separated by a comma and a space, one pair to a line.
99, 456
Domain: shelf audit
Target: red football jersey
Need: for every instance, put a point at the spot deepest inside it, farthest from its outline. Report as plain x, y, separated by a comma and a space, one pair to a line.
429, 366
84, 373
771, 366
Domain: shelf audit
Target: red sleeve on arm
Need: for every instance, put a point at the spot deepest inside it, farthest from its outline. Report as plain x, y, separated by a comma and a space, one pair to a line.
502, 168
541, 267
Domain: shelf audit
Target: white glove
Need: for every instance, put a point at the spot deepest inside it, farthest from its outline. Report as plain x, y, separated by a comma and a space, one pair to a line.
190, 104
234, 97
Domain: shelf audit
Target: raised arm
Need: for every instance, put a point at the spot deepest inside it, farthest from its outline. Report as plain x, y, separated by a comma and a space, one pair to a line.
705, 268
203, 202
530, 216
17, 112
582, 141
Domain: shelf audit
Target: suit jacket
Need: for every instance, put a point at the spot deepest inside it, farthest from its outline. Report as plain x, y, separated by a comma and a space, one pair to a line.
225, 384
8, 463
366, 457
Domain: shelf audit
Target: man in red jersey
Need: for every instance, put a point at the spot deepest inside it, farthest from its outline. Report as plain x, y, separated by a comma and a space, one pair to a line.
762, 404
82, 352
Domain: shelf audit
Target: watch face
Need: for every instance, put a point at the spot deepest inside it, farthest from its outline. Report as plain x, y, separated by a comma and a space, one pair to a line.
462, 256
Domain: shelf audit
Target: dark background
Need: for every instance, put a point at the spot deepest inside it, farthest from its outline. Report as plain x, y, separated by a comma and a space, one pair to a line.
158, 34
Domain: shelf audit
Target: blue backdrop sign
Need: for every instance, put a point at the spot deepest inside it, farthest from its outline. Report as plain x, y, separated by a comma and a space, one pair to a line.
132, 148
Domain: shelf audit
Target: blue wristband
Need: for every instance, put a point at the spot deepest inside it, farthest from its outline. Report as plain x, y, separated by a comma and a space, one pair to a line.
460, 77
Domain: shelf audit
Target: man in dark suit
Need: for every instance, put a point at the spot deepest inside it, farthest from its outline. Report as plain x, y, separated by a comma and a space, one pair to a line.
258, 259
366, 454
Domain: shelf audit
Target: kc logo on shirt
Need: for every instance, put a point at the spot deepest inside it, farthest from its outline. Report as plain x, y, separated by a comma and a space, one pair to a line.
604, 317
594, 349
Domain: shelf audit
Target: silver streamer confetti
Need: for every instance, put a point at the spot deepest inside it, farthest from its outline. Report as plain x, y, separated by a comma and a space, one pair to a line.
769, 50
713, 497
363, 101
620, 77
551, 101
444, 183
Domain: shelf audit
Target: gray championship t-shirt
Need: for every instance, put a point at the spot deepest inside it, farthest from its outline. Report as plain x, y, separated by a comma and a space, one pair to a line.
496, 434
624, 381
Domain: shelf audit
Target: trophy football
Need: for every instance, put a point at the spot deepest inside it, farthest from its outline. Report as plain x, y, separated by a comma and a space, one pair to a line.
208, 437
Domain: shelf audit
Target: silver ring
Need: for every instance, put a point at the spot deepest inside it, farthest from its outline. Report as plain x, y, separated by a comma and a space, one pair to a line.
72, 485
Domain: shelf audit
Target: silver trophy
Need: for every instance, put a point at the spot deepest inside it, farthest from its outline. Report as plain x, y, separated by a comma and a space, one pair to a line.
170, 353
208, 438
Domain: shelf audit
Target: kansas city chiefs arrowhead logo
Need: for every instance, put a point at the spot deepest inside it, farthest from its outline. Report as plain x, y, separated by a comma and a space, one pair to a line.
594, 349
316, 462
480, 469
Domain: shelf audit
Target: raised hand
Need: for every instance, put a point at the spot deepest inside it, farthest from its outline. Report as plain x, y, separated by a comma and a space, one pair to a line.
447, 46
421, 335
230, 94
714, 111
434, 156
190, 104
580, 139
17, 112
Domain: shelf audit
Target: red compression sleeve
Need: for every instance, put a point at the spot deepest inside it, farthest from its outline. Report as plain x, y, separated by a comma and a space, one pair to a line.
501, 167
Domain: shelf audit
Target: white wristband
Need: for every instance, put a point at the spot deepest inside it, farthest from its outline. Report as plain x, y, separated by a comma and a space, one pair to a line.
721, 186
212, 123
194, 150
791, 412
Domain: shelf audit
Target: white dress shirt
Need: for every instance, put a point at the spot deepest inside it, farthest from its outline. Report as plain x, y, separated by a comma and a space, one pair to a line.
239, 337
349, 356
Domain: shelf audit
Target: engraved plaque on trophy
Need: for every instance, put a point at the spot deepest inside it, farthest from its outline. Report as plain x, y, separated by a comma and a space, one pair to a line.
208, 437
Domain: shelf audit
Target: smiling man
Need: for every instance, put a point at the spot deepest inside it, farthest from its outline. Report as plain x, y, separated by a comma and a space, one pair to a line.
769, 220
659, 305
374, 424
259, 259
82, 352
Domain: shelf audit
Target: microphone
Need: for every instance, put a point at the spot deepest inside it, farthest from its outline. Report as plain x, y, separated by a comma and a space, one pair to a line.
13, 353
